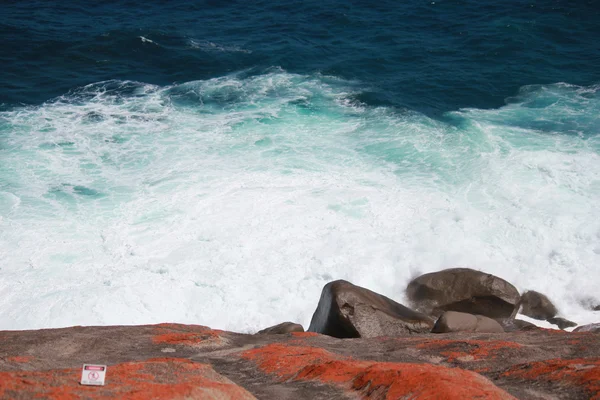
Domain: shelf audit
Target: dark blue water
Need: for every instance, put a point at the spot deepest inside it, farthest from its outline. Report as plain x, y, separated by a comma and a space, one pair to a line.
429, 56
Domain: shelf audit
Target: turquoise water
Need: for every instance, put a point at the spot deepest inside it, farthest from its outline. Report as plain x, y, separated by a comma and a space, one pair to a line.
231, 201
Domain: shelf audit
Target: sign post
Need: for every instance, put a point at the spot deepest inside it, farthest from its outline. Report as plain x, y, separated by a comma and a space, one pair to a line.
93, 374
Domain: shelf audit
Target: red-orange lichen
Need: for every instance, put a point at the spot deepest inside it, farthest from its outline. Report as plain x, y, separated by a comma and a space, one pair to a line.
581, 372
152, 379
462, 349
382, 379
188, 335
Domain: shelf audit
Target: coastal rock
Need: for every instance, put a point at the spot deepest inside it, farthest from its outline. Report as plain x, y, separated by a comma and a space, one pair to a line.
349, 311
562, 323
463, 290
452, 321
175, 361
282, 328
537, 305
594, 328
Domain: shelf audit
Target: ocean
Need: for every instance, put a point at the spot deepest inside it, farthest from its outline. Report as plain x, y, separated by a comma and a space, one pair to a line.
217, 163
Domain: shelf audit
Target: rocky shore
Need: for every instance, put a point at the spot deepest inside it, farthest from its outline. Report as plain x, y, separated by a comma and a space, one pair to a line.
457, 339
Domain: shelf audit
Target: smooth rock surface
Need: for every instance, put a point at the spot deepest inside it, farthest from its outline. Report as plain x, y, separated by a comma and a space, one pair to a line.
537, 305
463, 290
282, 328
349, 311
453, 321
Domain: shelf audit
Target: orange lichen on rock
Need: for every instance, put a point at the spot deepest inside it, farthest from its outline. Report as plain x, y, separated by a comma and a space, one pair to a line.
372, 379
188, 335
161, 378
580, 372
469, 349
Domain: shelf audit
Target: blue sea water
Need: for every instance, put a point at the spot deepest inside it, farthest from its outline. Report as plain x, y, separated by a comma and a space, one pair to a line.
218, 162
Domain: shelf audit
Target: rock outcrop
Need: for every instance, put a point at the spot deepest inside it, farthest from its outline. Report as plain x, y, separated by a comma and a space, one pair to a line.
284, 327
349, 311
537, 305
452, 321
172, 361
463, 290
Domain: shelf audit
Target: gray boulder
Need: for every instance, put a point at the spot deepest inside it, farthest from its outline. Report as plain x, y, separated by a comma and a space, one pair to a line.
452, 321
282, 328
537, 305
594, 328
562, 323
463, 290
349, 311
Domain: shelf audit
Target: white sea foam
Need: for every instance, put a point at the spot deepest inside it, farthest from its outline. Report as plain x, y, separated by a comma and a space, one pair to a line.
231, 202
146, 40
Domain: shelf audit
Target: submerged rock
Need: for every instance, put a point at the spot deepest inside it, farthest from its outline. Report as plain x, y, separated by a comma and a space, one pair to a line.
562, 323
452, 321
537, 305
463, 290
284, 327
349, 311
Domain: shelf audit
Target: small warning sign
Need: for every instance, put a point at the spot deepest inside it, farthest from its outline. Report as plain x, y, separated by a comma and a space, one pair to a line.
93, 374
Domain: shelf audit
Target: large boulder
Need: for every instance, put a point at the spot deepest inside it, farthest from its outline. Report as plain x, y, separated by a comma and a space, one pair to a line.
594, 328
463, 290
452, 321
282, 328
537, 305
349, 311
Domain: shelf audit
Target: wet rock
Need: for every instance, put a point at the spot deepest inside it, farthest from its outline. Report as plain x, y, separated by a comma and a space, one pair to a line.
284, 327
349, 311
562, 323
537, 305
594, 328
452, 321
463, 290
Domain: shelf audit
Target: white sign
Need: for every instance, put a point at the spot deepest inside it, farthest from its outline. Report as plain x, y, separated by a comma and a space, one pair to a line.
93, 374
